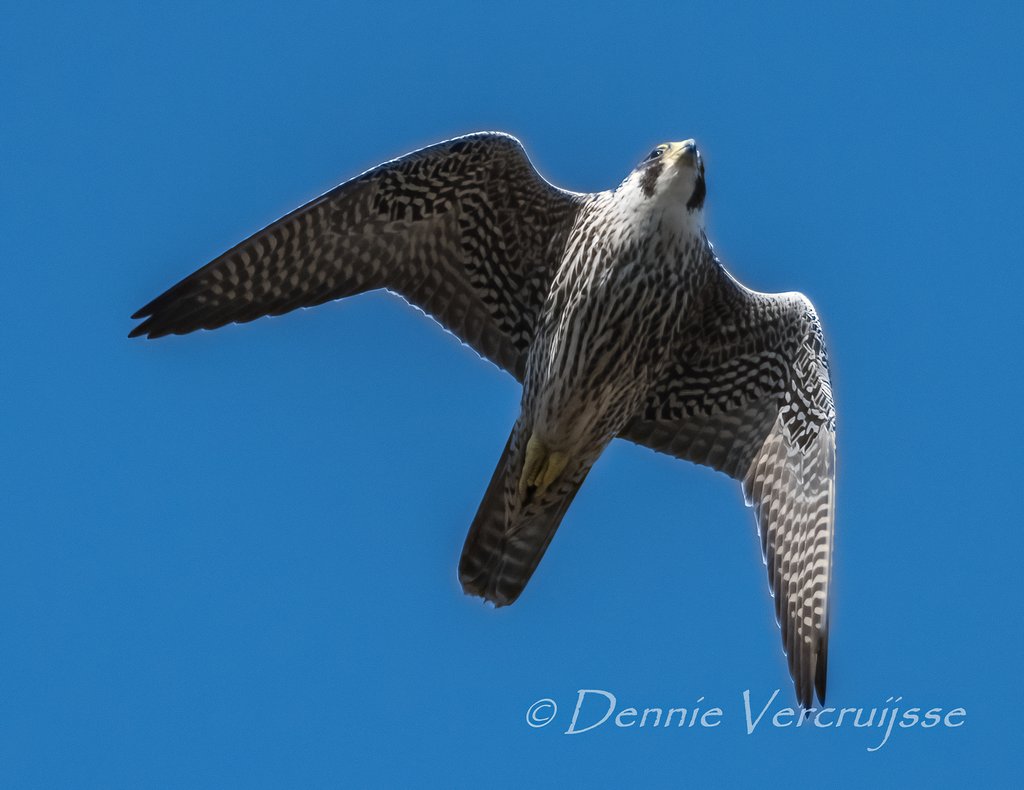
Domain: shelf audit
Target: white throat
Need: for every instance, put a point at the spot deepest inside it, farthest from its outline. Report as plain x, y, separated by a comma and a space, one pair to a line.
666, 207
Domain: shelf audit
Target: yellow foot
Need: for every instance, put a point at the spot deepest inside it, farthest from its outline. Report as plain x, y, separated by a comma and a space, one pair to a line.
541, 469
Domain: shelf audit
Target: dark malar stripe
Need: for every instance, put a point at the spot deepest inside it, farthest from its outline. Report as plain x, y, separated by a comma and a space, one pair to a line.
650, 178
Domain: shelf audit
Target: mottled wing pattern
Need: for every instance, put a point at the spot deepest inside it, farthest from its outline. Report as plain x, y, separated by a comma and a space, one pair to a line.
749, 394
466, 230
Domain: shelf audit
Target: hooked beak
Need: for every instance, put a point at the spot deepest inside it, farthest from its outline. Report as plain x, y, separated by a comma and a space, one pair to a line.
685, 152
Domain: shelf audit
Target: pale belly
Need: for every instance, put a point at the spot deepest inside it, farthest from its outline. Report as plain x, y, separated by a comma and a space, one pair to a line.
596, 357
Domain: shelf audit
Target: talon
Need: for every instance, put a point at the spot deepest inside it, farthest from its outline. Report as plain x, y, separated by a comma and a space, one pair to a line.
541, 468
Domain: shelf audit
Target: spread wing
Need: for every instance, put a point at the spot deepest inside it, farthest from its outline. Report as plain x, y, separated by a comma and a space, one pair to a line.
466, 230
749, 394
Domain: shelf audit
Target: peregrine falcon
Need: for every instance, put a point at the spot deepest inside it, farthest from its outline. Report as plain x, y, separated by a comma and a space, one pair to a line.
613, 312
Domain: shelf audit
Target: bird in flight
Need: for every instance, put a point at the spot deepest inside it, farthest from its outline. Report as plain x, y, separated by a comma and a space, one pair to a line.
613, 312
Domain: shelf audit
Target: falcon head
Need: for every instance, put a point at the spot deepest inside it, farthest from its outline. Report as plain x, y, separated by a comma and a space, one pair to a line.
673, 171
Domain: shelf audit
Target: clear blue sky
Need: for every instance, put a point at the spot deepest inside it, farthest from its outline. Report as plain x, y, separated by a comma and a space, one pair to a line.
229, 559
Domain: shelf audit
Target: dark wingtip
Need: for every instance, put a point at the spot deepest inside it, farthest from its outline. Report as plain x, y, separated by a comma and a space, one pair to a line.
140, 330
804, 695
821, 671
144, 312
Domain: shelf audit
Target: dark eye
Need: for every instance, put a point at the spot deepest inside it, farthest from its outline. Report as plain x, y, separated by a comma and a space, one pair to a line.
655, 154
